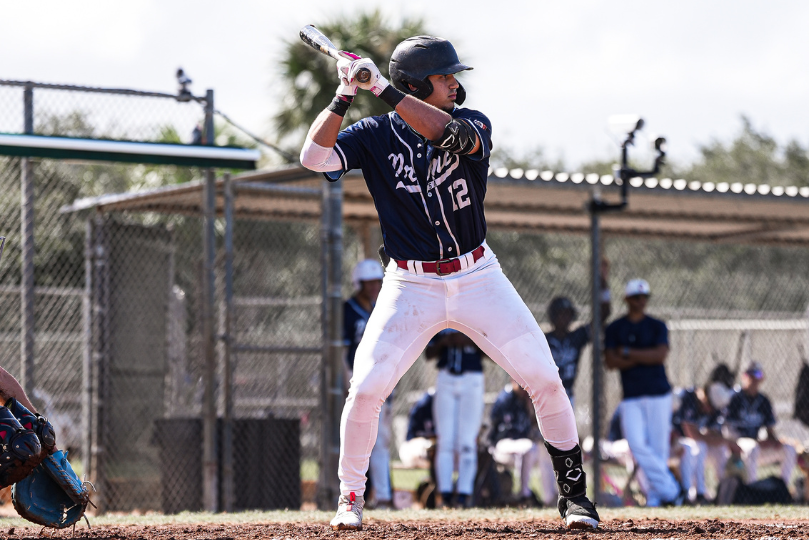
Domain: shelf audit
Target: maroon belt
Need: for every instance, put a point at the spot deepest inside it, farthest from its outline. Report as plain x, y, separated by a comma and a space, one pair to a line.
445, 266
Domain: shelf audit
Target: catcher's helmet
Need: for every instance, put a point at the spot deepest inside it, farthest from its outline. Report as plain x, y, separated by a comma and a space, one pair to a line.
418, 57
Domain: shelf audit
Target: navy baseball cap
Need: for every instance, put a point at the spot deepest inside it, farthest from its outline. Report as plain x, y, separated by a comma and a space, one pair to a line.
754, 370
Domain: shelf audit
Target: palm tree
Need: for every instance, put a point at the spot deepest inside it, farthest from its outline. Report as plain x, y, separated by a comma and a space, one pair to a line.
309, 78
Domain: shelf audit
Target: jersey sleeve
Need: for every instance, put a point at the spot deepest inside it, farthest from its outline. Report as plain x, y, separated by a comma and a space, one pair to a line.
662, 334
734, 407
767, 413
350, 148
611, 336
483, 128
348, 324
581, 336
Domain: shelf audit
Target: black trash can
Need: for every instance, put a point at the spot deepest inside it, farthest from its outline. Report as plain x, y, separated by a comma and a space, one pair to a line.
266, 463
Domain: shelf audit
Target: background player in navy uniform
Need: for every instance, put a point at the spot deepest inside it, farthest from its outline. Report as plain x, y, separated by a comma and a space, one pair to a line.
458, 412
367, 281
749, 413
699, 427
637, 345
566, 345
415, 451
426, 165
516, 441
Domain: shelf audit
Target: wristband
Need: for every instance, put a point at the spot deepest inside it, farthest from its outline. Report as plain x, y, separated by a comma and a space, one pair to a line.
391, 96
340, 104
625, 352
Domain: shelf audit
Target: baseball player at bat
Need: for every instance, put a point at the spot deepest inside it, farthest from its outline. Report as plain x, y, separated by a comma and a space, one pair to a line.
426, 164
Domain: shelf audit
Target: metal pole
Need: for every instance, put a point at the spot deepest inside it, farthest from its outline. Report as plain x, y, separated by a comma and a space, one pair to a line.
596, 334
209, 457
334, 388
27, 236
87, 359
227, 369
336, 326
325, 499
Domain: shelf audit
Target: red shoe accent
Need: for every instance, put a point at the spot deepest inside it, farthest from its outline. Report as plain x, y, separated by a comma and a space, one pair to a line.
351, 500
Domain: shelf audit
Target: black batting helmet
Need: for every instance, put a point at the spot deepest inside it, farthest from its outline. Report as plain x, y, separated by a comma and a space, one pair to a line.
560, 304
417, 58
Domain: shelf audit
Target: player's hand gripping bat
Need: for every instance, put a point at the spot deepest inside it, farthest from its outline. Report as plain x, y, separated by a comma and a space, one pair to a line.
315, 39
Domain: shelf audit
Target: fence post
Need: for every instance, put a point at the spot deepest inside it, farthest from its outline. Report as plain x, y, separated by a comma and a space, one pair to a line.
332, 389
209, 458
595, 239
27, 239
89, 350
227, 369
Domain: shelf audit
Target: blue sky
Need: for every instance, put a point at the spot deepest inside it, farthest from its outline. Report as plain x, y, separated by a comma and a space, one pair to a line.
546, 73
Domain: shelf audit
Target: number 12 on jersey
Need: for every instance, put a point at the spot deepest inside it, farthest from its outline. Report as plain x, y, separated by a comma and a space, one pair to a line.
460, 198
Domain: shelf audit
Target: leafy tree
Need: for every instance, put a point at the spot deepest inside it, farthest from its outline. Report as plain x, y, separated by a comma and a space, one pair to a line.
752, 157
309, 78
533, 158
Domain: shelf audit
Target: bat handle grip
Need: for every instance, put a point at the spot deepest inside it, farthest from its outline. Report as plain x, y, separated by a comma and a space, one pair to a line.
363, 75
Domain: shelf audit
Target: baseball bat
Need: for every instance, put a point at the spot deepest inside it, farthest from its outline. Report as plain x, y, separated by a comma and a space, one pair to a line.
315, 39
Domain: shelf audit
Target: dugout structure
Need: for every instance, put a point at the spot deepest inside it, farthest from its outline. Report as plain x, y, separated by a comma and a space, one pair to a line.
717, 239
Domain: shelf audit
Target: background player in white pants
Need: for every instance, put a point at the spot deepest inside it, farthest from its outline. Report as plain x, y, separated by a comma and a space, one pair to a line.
699, 424
637, 345
367, 281
516, 441
457, 412
426, 165
750, 412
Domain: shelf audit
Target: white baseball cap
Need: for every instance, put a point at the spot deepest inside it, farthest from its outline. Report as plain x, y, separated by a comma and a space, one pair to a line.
636, 287
366, 270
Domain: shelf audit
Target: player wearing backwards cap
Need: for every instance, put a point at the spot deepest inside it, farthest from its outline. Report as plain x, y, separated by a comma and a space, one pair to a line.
637, 345
748, 412
367, 281
566, 344
426, 165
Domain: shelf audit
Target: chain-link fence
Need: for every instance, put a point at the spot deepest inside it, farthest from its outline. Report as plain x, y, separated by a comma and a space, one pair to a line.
118, 356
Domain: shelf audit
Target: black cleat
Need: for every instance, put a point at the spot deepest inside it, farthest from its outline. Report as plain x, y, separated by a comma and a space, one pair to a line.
578, 512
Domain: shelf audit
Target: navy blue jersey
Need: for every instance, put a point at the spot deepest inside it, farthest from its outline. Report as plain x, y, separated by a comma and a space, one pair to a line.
566, 353
747, 415
615, 432
511, 417
420, 420
691, 411
354, 320
646, 334
458, 360
430, 202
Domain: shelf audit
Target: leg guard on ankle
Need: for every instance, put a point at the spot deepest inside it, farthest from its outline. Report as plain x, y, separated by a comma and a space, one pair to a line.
568, 471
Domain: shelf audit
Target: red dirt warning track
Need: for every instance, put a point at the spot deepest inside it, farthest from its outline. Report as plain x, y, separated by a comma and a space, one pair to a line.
535, 529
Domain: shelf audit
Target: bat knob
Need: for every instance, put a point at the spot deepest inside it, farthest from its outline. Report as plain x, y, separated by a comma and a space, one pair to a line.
363, 75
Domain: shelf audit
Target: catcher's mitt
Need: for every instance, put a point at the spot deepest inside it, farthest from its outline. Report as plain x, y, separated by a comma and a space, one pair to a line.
52, 495
20, 450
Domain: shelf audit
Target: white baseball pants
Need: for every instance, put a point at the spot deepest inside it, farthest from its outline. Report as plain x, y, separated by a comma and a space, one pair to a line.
646, 424
753, 455
457, 413
524, 455
692, 463
379, 467
412, 307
